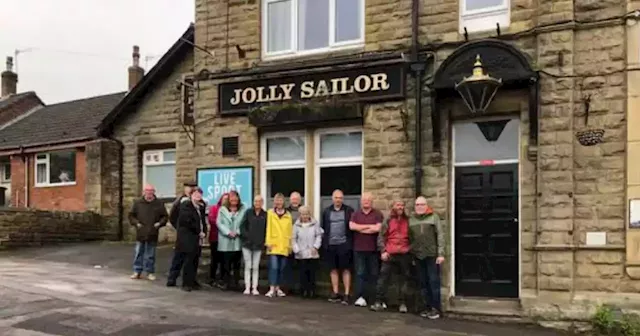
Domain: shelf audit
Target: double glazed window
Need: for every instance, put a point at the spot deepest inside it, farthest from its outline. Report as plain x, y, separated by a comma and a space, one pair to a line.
293, 162
293, 27
483, 15
284, 165
159, 170
55, 168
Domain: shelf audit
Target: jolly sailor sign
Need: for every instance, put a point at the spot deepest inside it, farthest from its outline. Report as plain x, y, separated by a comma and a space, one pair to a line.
366, 84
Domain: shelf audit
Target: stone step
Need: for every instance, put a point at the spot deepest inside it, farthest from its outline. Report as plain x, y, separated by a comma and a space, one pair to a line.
487, 309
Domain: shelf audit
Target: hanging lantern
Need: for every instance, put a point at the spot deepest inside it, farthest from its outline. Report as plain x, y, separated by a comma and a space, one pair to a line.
478, 90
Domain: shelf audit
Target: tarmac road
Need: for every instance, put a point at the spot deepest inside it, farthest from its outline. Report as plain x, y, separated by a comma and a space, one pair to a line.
84, 290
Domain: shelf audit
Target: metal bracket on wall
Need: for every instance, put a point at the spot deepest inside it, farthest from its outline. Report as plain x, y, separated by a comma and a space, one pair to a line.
189, 130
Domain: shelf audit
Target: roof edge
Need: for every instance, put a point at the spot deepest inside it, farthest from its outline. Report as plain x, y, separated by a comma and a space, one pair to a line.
184, 42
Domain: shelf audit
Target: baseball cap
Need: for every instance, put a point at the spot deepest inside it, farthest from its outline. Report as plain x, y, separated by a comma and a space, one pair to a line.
190, 184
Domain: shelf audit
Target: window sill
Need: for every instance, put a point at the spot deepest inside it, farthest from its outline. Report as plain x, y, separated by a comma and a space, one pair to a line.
53, 185
485, 21
347, 49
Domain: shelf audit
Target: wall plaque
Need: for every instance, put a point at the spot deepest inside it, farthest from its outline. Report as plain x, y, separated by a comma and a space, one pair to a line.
366, 84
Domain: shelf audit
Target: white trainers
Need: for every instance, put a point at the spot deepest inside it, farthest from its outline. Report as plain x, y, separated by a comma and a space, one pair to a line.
403, 308
255, 292
361, 302
247, 291
270, 294
280, 293
135, 276
151, 277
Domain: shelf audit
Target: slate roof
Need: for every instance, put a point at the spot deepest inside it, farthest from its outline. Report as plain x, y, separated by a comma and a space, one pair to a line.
59, 123
162, 69
12, 99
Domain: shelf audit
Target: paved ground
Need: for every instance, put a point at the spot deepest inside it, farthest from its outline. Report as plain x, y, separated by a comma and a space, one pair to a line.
84, 291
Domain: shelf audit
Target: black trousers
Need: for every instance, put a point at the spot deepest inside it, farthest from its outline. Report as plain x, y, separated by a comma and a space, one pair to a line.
216, 261
176, 266
231, 264
190, 268
179, 262
307, 269
400, 265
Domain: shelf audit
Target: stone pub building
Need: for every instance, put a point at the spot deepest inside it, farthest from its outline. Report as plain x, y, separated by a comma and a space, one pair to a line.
536, 184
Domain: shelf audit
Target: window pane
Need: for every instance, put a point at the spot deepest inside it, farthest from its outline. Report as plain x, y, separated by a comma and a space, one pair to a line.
7, 172
481, 4
169, 156
41, 173
339, 145
284, 181
471, 145
62, 167
285, 149
313, 24
163, 178
279, 26
348, 20
347, 179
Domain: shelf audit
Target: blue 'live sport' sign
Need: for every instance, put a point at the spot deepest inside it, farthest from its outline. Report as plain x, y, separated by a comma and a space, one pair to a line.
217, 181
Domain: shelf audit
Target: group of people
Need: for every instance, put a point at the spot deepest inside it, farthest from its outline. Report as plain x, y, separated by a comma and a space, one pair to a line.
344, 238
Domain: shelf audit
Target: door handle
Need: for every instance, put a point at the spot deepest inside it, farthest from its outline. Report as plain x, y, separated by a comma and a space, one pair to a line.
515, 220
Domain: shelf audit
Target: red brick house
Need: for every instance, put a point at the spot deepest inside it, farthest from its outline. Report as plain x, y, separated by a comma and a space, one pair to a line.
46, 149
13, 106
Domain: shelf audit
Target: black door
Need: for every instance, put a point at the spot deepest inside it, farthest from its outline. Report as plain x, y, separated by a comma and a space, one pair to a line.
486, 231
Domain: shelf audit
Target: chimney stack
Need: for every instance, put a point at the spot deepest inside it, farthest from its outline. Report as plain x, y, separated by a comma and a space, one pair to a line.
9, 80
135, 71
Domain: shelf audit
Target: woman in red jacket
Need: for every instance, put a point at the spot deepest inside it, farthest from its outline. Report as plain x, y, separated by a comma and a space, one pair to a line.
213, 240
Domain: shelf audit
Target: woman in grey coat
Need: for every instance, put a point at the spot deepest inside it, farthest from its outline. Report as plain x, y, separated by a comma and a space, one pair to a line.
306, 240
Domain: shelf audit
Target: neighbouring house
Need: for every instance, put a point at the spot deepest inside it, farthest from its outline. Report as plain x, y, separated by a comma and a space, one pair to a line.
47, 149
150, 124
536, 185
13, 106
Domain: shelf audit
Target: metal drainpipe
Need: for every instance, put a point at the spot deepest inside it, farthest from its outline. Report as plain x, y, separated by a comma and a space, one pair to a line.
418, 68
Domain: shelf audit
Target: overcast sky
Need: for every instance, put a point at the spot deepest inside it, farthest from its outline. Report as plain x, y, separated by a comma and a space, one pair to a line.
82, 48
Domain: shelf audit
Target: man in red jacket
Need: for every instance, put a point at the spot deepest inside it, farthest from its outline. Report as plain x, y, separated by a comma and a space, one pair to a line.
213, 240
393, 242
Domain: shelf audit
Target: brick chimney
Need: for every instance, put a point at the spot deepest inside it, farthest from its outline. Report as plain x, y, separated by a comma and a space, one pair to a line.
9, 80
136, 72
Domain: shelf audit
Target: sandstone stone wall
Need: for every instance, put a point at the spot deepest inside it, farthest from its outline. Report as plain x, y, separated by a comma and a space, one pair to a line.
566, 189
26, 227
155, 123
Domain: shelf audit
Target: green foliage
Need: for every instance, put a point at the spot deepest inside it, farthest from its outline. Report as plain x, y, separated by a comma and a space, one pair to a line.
613, 322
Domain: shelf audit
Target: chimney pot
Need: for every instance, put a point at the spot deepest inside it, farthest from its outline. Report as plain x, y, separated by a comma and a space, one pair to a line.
135, 71
9, 80
9, 63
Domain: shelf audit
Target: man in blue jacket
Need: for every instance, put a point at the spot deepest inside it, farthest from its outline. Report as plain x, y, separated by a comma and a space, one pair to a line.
337, 245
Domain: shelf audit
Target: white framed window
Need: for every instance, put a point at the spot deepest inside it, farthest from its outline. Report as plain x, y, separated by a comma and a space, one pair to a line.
159, 170
483, 15
301, 27
55, 168
338, 165
5, 172
283, 165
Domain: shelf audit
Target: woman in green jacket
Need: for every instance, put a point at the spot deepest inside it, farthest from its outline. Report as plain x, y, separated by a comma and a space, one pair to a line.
229, 244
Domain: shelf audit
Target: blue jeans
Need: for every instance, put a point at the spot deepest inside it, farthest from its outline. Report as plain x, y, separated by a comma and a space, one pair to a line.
145, 257
367, 265
429, 277
277, 264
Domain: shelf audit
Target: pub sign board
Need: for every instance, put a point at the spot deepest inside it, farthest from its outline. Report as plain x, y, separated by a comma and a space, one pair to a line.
364, 84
